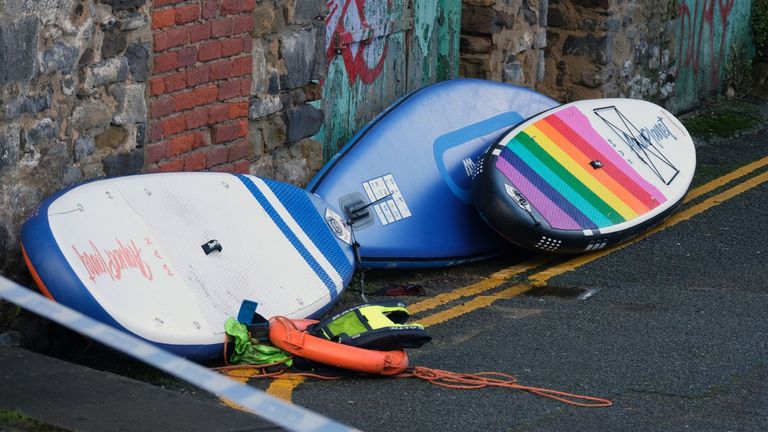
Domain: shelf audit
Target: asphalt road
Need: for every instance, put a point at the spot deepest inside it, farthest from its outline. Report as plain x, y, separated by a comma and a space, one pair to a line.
671, 328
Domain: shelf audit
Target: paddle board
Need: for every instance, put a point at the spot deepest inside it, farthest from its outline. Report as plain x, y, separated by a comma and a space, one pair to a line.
585, 175
404, 181
169, 257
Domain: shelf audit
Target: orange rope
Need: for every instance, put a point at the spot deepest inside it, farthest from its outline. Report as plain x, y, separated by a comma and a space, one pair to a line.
453, 380
458, 380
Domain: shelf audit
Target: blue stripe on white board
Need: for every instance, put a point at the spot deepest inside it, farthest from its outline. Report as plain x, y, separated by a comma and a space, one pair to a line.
289, 234
300, 206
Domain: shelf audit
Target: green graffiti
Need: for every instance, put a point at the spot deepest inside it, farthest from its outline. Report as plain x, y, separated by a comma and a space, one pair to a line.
706, 31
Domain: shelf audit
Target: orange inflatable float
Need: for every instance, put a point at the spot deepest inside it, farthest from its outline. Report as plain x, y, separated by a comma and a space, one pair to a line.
291, 336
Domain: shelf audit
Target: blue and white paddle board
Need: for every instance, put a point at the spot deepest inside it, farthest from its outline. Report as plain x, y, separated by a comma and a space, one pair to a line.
412, 165
169, 257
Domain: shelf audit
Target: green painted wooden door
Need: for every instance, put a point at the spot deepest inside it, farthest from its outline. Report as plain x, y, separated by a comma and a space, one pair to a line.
379, 50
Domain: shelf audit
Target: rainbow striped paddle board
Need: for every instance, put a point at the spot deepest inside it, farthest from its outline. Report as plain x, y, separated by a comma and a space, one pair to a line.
585, 175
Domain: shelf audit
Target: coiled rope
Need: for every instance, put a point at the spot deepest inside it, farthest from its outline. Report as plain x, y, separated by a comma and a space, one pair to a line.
447, 379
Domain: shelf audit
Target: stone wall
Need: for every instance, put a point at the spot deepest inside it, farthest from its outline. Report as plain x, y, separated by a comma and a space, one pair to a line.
289, 62
200, 86
610, 48
72, 91
504, 40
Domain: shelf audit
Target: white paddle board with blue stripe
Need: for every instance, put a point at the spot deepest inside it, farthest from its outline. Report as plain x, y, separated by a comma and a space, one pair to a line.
169, 257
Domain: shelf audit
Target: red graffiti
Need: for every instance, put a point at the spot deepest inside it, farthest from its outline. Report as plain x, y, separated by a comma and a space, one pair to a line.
113, 262
693, 29
354, 35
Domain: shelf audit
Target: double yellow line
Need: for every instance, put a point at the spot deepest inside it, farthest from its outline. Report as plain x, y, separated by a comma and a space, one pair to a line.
477, 296
540, 278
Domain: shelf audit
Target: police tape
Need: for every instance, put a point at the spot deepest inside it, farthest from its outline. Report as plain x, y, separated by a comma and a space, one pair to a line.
270, 408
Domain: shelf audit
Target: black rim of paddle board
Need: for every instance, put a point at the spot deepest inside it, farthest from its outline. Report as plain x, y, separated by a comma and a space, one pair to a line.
505, 216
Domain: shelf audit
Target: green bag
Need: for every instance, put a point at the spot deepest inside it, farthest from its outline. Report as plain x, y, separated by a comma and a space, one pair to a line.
250, 351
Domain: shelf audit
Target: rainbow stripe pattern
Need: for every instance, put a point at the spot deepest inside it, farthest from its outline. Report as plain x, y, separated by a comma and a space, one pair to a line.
549, 163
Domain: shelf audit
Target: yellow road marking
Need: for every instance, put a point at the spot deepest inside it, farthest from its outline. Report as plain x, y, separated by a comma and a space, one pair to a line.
542, 277
472, 305
283, 388
494, 280
720, 181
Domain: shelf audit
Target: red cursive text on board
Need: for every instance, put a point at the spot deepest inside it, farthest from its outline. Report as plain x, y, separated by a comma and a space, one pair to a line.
113, 262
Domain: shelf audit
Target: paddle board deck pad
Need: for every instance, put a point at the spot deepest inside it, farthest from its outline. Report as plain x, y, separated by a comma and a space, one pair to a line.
585, 175
404, 181
169, 257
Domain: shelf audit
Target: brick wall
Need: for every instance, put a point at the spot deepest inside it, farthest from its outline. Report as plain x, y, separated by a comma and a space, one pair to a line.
200, 85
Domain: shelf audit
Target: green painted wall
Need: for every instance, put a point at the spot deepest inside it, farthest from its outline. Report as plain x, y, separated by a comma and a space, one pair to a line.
713, 39
379, 50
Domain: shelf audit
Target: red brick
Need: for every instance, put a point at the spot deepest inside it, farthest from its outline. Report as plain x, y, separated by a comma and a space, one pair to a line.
238, 110
237, 6
166, 61
171, 166
231, 46
198, 32
210, 8
218, 113
198, 75
188, 13
187, 56
174, 125
160, 107
247, 44
184, 101
226, 168
197, 118
156, 86
240, 149
221, 70
242, 167
161, 3
234, 88
175, 82
181, 144
231, 6
245, 86
243, 24
163, 18
195, 161
206, 94
156, 133
222, 27
217, 155
229, 90
242, 66
210, 50
229, 131
154, 152
178, 36
160, 41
